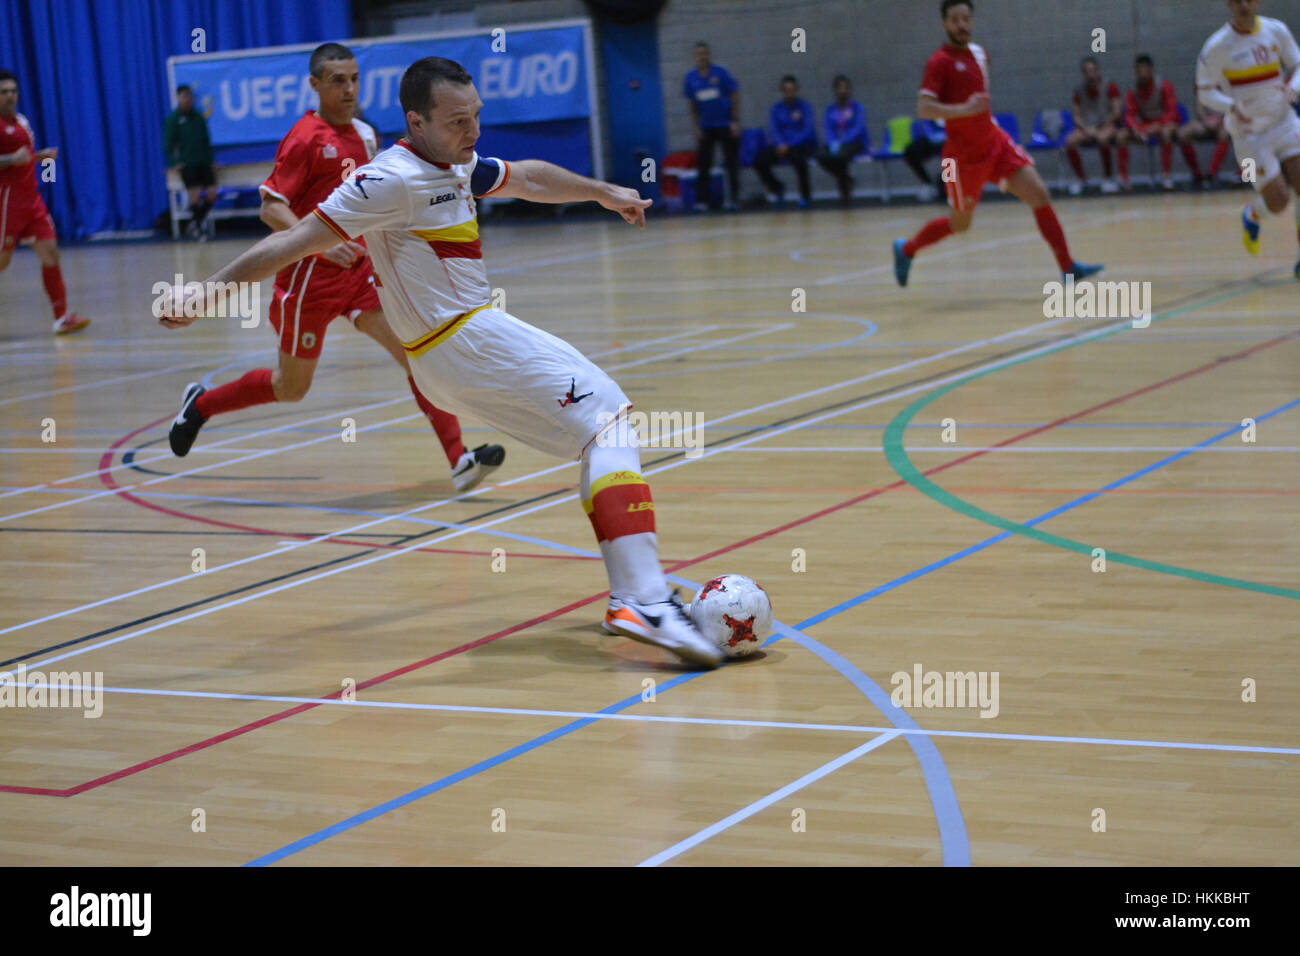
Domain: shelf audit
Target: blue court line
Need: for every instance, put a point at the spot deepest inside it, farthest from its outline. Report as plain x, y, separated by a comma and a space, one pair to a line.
953, 840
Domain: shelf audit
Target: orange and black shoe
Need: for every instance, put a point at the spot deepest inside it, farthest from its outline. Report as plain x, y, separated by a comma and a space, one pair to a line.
665, 624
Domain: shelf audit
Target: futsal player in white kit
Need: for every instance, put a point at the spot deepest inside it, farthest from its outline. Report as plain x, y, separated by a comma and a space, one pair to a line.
414, 203
1249, 70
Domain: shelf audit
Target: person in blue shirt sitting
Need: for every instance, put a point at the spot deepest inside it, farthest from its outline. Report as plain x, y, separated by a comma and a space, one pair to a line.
794, 138
715, 105
846, 135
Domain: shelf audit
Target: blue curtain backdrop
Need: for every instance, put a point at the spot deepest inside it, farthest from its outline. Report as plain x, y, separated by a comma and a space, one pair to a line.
92, 78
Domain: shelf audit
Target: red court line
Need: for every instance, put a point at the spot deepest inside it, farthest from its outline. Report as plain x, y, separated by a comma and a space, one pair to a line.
370, 682
106, 477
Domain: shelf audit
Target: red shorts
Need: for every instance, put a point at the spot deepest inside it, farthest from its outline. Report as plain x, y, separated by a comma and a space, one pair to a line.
1148, 130
22, 216
311, 294
996, 167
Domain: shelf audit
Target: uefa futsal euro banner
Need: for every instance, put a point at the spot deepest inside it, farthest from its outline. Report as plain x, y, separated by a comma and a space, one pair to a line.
535, 83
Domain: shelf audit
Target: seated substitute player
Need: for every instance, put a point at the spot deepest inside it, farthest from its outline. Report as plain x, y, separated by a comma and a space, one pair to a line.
1242, 73
1207, 125
794, 139
1097, 108
1151, 110
318, 153
955, 89
22, 212
415, 203
846, 135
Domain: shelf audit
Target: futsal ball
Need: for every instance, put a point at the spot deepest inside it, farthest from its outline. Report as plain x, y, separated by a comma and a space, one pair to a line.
734, 613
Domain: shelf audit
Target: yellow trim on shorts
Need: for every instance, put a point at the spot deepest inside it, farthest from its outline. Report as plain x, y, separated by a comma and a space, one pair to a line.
435, 338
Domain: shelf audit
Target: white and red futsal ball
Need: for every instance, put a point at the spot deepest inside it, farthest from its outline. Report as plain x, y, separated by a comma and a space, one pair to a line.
734, 613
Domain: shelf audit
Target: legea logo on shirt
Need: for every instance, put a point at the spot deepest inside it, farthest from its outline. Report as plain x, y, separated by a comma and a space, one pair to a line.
441, 197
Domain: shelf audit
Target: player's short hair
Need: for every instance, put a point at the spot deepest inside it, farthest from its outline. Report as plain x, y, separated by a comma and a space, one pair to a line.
701, 44
183, 88
840, 78
789, 78
1144, 58
6, 75
1090, 59
326, 52
416, 91
949, 4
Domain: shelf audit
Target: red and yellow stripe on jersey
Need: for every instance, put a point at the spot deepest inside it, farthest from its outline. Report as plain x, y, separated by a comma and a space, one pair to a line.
1253, 74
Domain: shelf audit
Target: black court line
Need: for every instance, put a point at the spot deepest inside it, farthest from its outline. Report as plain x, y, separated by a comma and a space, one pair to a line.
1028, 346
128, 459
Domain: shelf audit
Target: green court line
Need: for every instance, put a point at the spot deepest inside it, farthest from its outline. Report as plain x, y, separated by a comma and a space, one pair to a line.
902, 465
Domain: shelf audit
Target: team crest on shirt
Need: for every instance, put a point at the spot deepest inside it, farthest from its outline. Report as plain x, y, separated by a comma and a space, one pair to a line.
330, 152
961, 67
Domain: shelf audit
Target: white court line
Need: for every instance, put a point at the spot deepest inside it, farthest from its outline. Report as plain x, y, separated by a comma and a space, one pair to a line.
763, 803
1016, 450
111, 381
700, 348
7, 678
270, 431
982, 247
967, 347
892, 396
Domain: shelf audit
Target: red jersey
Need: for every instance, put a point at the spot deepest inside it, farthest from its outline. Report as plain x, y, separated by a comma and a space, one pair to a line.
14, 135
315, 157
1156, 104
952, 75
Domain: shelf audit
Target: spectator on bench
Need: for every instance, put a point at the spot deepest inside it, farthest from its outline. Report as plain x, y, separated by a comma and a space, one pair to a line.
794, 138
846, 135
1097, 108
1152, 111
715, 105
189, 152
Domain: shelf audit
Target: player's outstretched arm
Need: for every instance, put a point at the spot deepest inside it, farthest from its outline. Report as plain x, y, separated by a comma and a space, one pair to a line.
540, 181
309, 236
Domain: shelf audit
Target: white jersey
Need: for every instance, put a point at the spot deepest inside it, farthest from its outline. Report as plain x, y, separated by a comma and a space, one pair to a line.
1249, 71
421, 228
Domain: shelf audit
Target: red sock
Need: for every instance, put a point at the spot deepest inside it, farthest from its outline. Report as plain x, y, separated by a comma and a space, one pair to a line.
1166, 158
1051, 229
1220, 154
1076, 163
933, 231
253, 389
445, 424
1123, 163
1105, 159
620, 504
1189, 154
52, 276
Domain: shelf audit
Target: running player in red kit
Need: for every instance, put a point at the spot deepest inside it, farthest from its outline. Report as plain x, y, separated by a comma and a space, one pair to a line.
955, 89
322, 150
22, 213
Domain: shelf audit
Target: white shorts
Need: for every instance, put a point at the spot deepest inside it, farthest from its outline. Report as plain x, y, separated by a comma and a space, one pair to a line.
1269, 148
522, 381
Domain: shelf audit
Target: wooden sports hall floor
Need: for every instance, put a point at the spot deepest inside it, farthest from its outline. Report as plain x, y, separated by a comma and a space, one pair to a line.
492, 722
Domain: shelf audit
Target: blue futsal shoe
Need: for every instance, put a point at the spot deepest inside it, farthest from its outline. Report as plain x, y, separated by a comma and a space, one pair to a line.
902, 262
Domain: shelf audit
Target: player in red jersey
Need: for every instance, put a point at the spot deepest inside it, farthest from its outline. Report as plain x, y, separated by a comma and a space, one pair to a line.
321, 150
22, 213
1151, 110
955, 89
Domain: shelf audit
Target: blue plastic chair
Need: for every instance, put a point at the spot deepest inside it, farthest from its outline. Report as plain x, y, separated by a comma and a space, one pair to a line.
1041, 140
1009, 125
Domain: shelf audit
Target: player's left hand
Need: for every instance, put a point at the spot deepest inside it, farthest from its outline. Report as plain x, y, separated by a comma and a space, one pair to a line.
627, 203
